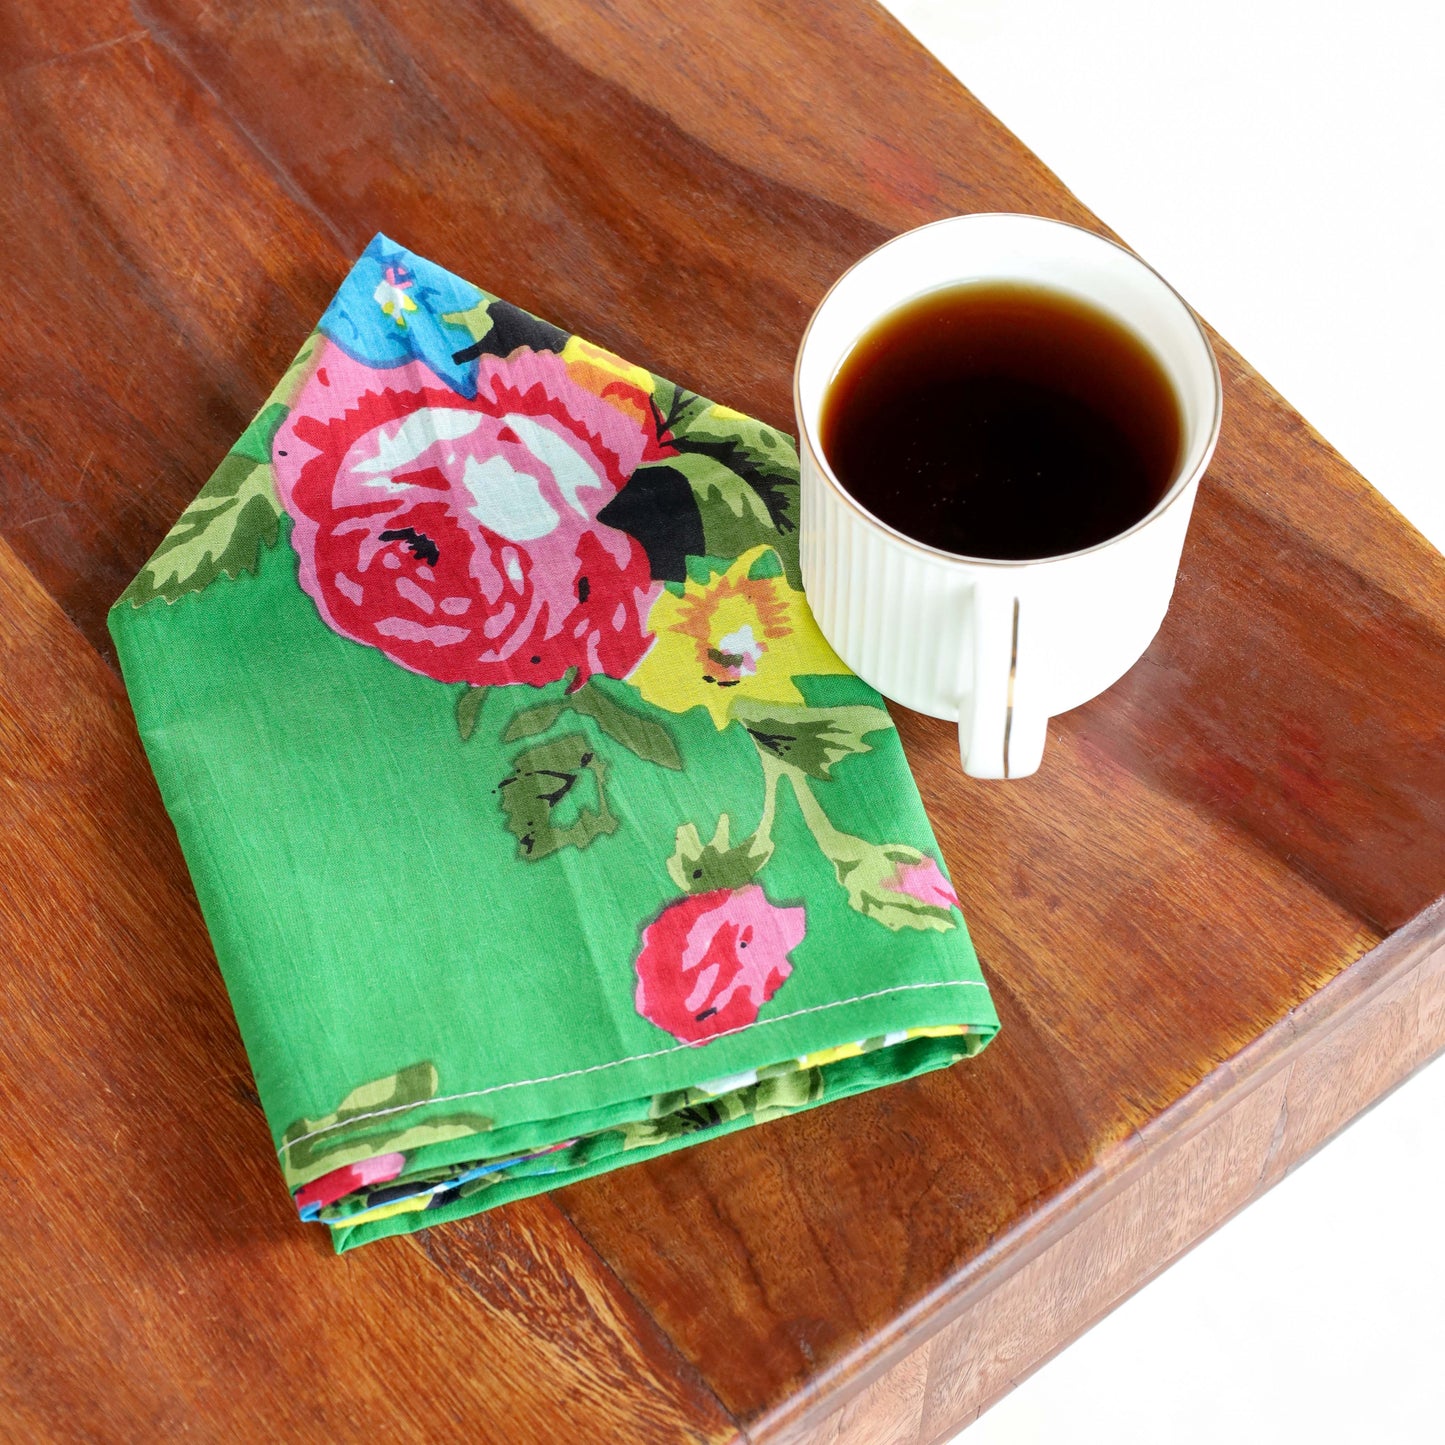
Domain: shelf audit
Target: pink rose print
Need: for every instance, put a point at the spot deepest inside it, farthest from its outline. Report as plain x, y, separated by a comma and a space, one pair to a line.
340, 1182
924, 881
711, 960
461, 538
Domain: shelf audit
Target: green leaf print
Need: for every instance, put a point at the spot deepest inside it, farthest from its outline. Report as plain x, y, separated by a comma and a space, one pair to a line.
532, 720
638, 733
687, 1111
235, 514
786, 1093
767, 450
375, 1118
743, 474
698, 867
295, 377
870, 873
222, 531
813, 740
544, 786
476, 321
469, 709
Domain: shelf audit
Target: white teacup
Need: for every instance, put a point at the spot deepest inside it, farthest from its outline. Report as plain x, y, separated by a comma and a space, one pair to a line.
1000, 647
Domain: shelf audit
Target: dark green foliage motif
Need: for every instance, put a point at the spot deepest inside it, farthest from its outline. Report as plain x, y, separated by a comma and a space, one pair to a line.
374, 1118
547, 785
812, 740
469, 709
743, 474
698, 867
235, 514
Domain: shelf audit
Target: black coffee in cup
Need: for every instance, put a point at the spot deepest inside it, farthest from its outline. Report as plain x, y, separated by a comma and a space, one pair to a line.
1003, 420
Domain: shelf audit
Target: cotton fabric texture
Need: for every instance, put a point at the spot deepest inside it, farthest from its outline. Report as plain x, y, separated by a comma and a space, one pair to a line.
537, 828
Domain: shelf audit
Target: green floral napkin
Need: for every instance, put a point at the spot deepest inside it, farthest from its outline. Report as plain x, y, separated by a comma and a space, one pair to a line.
537, 828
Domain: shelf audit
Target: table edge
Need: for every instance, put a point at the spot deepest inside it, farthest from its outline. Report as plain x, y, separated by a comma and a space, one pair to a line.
1221, 1090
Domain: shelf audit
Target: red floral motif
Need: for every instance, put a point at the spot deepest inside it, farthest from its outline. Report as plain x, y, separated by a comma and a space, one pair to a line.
710, 961
459, 537
341, 1182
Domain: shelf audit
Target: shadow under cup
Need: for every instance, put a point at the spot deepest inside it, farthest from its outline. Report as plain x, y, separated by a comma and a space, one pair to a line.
999, 577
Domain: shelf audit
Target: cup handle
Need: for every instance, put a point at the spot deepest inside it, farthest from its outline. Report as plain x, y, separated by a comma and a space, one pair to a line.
1001, 730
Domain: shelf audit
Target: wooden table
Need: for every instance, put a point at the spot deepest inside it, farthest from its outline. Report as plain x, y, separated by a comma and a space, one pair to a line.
1209, 920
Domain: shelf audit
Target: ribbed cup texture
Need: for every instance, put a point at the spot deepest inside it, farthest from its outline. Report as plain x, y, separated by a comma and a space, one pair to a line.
871, 594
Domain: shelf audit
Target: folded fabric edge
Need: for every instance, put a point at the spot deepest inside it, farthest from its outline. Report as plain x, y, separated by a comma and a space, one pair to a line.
409, 1113
412, 1201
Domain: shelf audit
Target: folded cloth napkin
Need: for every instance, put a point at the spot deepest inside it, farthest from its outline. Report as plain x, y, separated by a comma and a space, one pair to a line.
537, 828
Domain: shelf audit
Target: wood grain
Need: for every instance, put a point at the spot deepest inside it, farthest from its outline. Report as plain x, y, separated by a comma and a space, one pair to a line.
156, 1285
1220, 1151
1241, 828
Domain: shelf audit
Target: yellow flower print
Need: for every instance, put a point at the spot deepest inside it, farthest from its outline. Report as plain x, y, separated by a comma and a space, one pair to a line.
582, 359
732, 637
626, 386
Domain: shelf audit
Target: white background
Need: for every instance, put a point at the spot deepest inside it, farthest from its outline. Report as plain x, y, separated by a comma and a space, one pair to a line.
1283, 164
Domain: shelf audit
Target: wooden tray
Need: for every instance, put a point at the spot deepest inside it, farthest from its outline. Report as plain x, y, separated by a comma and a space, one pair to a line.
1208, 919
